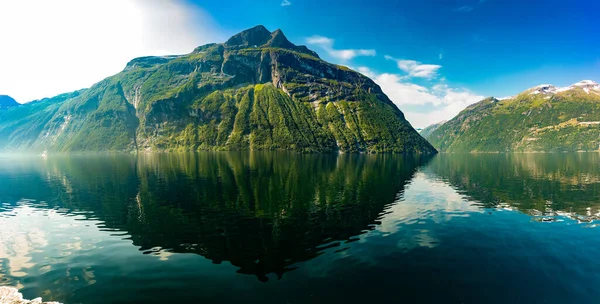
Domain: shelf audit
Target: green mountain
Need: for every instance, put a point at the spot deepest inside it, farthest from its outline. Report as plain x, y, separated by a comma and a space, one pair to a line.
7, 102
541, 119
24, 126
256, 91
429, 129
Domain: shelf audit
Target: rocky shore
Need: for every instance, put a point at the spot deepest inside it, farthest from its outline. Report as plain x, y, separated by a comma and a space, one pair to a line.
9, 295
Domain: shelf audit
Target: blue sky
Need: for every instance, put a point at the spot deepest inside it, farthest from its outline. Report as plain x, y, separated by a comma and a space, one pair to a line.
484, 43
432, 58
483, 47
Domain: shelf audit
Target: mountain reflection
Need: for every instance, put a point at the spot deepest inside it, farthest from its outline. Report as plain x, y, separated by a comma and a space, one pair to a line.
262, 212
545, 186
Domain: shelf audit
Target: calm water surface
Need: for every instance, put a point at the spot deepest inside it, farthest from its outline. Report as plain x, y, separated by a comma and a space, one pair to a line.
287, 228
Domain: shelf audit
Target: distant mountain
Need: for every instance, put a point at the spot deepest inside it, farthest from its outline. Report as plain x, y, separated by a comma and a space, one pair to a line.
7, 102
429, 129
256, 91
23, 126
543, 119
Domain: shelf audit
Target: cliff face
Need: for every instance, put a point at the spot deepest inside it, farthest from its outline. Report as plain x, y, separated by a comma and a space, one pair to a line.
255, 91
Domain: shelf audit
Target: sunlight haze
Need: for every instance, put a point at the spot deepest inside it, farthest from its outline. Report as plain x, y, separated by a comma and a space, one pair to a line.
52, 47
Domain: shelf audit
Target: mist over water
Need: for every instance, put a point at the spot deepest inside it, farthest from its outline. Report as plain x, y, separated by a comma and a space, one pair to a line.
283, 227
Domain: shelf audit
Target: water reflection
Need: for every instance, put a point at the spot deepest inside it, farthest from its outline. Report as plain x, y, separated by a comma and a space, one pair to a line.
546, 186
149, 228
40, 242
262, 212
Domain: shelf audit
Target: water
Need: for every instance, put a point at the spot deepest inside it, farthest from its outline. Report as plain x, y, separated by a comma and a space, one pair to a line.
288, 228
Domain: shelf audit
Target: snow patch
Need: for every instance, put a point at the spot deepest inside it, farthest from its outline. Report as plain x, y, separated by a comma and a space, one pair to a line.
563, 89
586, 85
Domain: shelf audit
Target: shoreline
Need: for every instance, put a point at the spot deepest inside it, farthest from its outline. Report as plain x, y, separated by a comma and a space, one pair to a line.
11, 295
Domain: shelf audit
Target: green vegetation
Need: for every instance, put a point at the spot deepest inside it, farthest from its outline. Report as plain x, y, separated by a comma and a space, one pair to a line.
23, 127
533, 183
429, 129
257, 91
564, 121
262, 199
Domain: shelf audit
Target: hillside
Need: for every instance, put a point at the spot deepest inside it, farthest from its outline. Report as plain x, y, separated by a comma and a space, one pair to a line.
541, 119
429, 129
256, 91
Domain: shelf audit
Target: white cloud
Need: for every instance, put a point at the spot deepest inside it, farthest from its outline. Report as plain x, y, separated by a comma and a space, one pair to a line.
468, 8
52, 47
367, 72
319, 40
464, 9
416, 69
286, 3
442, 101
343, 55
349, 54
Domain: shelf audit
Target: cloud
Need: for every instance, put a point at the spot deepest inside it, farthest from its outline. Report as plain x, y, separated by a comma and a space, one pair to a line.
25, 233
349, 54
366, 71
286, 3
464, 9
468, 8
343, 55
415, 68
319, 40
440, 102
76, 45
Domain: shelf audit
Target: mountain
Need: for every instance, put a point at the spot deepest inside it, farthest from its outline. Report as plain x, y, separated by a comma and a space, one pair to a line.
7, 102
429, 129
256, 91
23, 126
541, 119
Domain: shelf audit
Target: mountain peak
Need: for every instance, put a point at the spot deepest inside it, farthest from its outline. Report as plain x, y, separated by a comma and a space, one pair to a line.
259, 36
585, 83
255, 36
587, 86
278, 39
542, 89
7, 102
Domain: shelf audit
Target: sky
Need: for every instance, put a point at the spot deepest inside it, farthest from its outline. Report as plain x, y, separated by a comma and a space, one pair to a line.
432, 58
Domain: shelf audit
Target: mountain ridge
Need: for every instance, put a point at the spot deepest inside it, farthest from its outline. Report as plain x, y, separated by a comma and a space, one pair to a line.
425, 132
